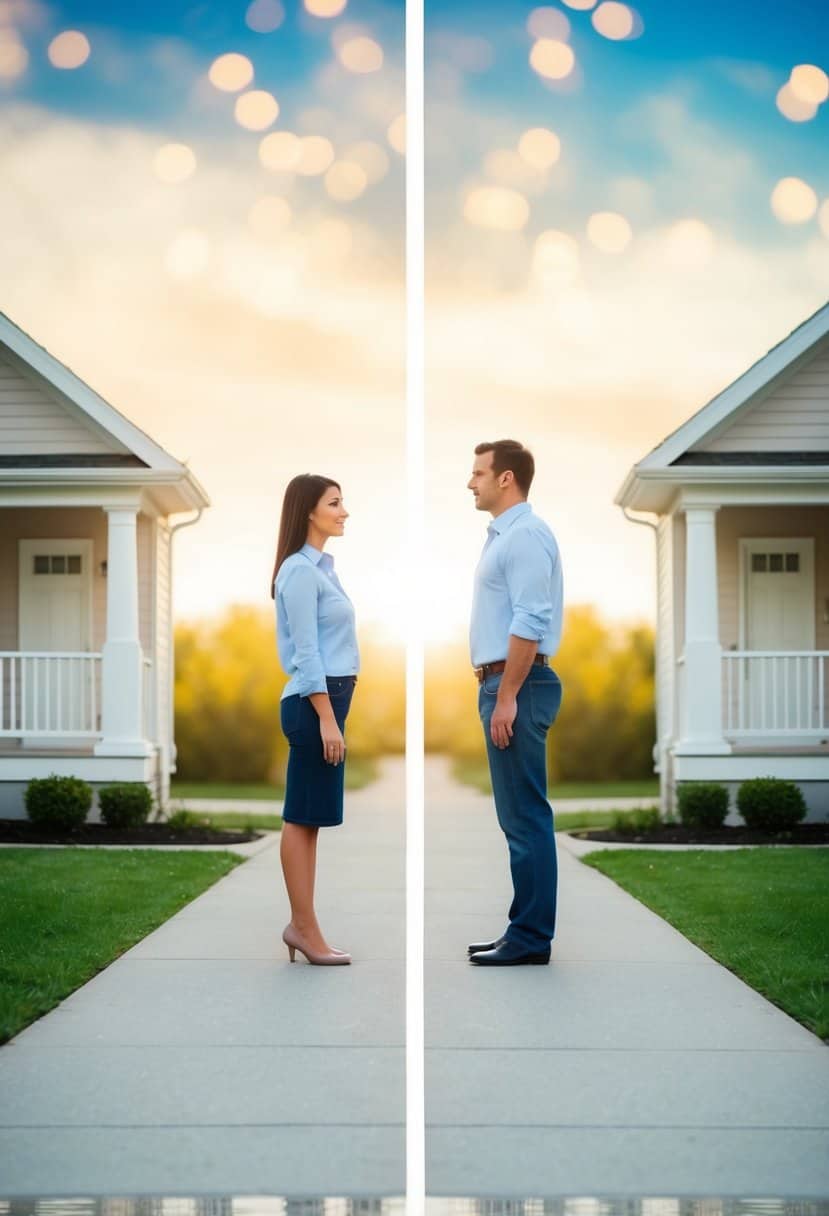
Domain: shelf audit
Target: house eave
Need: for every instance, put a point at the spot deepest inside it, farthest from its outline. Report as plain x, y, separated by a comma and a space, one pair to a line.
92, 486
659, 490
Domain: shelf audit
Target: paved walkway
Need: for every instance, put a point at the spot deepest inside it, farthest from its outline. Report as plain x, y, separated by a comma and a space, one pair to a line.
632, 1065
203, 1062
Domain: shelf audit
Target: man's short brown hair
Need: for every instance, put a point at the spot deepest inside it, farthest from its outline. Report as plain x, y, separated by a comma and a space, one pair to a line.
510, 454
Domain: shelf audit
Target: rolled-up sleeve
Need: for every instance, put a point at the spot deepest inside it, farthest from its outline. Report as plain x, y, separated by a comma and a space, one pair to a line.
299, 598
527, 570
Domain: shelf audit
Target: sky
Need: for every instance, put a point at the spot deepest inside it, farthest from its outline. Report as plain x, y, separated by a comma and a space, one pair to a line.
608, 245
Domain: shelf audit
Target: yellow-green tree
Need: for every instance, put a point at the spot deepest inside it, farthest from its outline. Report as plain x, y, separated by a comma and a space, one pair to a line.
228, 684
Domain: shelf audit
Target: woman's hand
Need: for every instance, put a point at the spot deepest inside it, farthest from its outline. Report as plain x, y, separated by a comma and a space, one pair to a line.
333, 744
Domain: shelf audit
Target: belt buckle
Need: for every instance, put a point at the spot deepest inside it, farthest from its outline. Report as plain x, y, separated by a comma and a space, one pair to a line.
479, 672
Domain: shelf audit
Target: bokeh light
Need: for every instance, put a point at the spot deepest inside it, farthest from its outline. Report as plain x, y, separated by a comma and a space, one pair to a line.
548, 23
609, 231
583, 5
688, 245
14, 57
809, 84
360, 54
555, 259
174, 163
539, 147
793, 107
231, 72
256, 109
332, 241
396, 134
316, 153
264, 16
552, 58
269, 216
69, 49
325, 8
187, 254
496, 207
614, 20
793, 201
345, 181
371, 158
280, 151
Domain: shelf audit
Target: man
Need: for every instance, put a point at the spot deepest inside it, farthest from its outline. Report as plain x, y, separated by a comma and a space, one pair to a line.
515, 628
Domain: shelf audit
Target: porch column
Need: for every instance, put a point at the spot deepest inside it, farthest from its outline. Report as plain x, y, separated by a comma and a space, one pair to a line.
122, 659
702, 732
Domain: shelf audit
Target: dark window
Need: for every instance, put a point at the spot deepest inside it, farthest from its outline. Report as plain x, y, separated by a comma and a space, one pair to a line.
792, 563
74, 563
776, 563
58, 563
758, 563
41, 563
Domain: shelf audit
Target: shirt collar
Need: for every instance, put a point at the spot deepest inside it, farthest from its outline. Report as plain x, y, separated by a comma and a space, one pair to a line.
508, 517
317, 556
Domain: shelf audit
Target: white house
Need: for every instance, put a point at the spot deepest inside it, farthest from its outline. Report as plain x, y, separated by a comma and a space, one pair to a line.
86, 659
741, 492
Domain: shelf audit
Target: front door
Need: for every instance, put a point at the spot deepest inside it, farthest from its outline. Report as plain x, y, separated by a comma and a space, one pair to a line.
779, 615
55, 614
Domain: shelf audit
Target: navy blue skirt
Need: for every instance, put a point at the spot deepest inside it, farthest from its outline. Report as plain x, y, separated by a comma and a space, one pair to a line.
313, 787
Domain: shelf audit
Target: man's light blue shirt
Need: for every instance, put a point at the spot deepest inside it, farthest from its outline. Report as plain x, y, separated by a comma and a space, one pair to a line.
315, 628
518, 587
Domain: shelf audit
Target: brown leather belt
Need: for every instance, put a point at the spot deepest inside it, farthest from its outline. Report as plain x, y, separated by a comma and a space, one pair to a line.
492, 669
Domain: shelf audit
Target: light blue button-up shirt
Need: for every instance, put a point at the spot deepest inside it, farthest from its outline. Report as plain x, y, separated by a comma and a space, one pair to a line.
315, 630
518, 587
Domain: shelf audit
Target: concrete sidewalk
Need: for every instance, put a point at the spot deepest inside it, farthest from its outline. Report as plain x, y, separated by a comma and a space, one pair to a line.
632, 1065
202, 1062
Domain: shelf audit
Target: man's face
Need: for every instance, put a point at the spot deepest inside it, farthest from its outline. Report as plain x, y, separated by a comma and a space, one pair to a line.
484, 482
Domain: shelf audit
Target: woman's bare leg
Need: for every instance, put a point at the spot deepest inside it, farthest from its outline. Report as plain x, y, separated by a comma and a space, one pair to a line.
297, 851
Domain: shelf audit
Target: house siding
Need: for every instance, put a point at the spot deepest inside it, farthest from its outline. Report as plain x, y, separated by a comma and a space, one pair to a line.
793, 417
34, 422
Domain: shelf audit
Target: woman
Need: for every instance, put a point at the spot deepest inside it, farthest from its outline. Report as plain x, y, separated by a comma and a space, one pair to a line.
318, 649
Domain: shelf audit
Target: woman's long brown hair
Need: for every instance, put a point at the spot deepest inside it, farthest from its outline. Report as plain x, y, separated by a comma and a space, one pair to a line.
302, 494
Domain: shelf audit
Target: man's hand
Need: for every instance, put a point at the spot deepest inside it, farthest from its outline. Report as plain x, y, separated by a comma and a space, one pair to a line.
503, 716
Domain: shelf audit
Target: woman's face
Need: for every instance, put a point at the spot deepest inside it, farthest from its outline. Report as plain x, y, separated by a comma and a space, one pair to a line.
329, 515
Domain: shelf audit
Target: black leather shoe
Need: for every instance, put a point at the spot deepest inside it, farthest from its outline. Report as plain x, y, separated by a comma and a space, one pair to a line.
507, 954
476, 947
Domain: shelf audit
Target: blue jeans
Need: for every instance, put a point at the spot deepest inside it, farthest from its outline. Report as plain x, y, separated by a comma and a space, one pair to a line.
519, 783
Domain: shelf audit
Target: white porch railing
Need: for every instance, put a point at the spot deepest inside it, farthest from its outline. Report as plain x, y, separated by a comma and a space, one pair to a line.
775, 692
54, 693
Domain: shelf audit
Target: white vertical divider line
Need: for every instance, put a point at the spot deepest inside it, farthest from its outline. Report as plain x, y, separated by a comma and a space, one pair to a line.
414, 585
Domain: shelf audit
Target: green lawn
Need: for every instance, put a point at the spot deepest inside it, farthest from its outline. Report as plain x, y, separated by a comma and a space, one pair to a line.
476, 773
65, 914
763, 913
359, 771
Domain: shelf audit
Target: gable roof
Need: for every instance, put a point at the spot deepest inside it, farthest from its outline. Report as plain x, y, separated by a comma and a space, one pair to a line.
119, 450
723, 409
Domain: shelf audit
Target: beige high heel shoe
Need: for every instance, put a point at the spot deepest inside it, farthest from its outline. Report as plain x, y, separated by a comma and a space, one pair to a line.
294, 942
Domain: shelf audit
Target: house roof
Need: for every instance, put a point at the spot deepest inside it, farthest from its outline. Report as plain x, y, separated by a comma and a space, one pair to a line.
135, 459
668, 461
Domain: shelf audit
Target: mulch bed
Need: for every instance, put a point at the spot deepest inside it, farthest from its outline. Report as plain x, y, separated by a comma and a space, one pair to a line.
804, 833
21, 831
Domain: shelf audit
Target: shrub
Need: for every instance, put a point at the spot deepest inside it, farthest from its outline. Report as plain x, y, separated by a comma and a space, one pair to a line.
125, 805
632, 823
769, 804
702, 804
59, 803
183, 819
